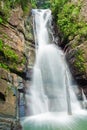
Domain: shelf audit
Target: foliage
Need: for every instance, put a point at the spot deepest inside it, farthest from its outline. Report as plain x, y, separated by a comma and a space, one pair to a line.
43, 4
9, 4
1, 44
72, 26
5, 10
2, 65
57, 6
8, 52
79, 60
9, 59
24, 4
34, 3
1, 20
67, 17
68, 20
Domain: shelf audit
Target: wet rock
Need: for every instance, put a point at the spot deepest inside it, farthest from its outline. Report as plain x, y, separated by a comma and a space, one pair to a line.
17, 35
9, 124
76, 63
9, 85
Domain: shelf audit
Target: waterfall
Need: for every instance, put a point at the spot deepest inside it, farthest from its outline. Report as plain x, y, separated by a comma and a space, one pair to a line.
52, 88
51, 94
84, 100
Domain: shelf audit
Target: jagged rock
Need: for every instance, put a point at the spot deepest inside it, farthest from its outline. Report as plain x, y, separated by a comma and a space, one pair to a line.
30, 45
17, 35
9, 124
16, 16
8, 89
76, 49
11, 37
77, 62
84, 10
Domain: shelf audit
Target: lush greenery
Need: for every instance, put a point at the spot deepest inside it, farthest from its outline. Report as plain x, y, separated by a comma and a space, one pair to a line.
67, 17
72, 27
8, 52
1, 20
8, 57
57, 6
43, 4
79, 60
7, 5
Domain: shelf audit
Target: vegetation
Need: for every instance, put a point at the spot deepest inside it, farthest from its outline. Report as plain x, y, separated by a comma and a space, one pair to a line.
43, 4
72, 26
79, 60
7, 5
1, 20
67, 17
57, 6
34, 3
8, 52
9, 58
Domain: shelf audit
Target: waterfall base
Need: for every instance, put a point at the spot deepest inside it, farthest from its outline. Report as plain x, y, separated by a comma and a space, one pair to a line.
56, 121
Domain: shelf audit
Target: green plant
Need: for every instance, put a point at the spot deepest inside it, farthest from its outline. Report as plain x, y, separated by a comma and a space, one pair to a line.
8, 52
43, 4
6, 10
9, 59
79, 60
33, 3
2, 65
1, 44
68, 19
1, 20
9, 4
67, 16
57, 6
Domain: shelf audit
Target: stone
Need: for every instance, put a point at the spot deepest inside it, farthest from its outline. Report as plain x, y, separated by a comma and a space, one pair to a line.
16, 16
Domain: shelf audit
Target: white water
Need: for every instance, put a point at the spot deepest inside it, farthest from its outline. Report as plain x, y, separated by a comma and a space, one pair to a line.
84, 103
50, 98
52, 88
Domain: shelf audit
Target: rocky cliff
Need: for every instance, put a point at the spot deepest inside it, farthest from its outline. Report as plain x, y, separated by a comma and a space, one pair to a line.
71, 20
16, 58
76, 50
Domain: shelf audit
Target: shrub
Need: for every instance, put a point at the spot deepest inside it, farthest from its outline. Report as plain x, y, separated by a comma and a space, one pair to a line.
79, 61
1, 20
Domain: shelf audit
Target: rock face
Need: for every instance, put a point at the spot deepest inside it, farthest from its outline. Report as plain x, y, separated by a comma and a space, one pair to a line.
76, 53
9, 124
71, 20
17, 55
9, 82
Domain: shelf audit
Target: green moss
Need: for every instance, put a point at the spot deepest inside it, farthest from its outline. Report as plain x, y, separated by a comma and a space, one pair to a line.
8, 52
79, 61
2, 65
1, 44
9, 60
8, 5
1, 20
5, 36
5, 11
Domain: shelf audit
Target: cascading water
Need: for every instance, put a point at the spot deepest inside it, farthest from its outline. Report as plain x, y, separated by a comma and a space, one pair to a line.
51, 75
51, 94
